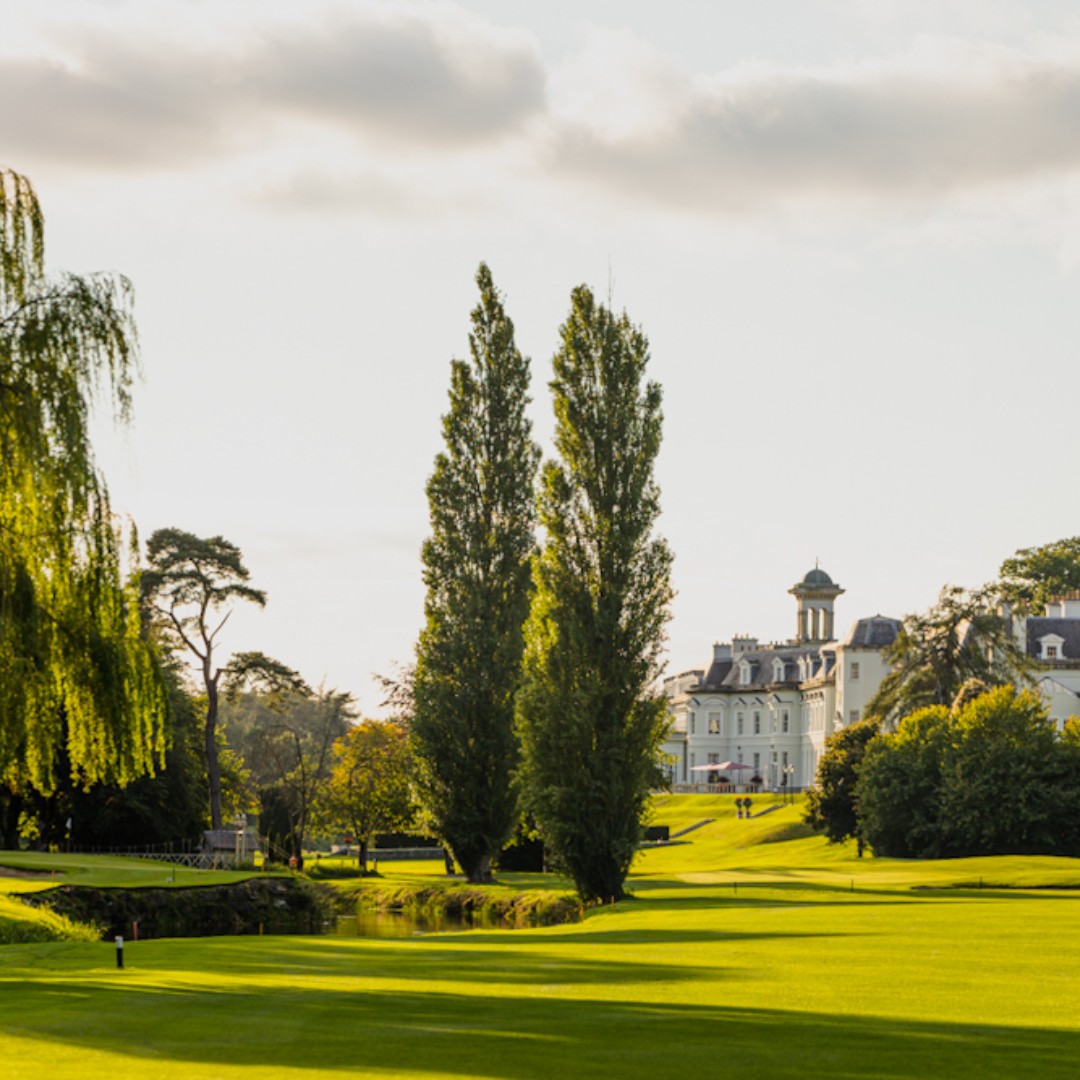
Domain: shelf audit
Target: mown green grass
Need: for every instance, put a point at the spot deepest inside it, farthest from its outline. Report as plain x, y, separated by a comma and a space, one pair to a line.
20, 924
738, 958
103, 871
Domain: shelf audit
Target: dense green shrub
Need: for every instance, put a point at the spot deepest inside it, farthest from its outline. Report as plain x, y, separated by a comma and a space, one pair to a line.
989, 777
899, 788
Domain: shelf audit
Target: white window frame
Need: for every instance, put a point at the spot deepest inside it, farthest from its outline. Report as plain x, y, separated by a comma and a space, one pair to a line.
1048, 642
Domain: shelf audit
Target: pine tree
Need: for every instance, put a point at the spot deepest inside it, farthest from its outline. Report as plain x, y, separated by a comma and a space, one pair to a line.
590, 721
477, 574
189, 583
78, 680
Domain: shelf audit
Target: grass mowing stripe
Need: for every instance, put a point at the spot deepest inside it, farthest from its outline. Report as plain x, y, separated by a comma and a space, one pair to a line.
815, 964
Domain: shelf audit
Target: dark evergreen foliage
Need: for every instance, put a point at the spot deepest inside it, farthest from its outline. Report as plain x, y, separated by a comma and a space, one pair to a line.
476, 571
590, 722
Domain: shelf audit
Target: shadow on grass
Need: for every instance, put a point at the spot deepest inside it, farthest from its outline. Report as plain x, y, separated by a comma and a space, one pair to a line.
604, 937
771, 893
470, 959
310, 1027
749, 892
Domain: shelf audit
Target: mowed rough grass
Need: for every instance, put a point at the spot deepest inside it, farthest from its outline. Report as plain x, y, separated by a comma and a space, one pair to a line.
742, 955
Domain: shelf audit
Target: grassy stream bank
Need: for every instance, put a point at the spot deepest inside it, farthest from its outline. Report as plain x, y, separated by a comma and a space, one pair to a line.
489, 905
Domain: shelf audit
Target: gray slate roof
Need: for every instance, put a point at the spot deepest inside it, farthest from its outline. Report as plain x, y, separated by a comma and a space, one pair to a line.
1068, 629
876, 632
724, 674
714, 677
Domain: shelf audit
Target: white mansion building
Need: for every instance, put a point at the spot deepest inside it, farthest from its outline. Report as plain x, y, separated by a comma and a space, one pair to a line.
770, 707
1053, 640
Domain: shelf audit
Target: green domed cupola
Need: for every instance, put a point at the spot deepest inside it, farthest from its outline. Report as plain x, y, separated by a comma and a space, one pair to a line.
815, 594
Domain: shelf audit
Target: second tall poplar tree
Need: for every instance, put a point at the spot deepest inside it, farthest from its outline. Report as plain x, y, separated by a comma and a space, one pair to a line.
590, 719
477, 573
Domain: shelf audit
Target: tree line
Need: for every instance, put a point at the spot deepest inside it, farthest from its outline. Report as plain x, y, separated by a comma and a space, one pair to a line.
532, 698
104, 737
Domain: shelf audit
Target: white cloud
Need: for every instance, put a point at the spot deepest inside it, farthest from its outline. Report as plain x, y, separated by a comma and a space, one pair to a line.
387, 74
387, 106
942, 119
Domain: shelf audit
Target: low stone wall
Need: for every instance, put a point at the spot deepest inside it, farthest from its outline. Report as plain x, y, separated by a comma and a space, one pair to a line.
260, 905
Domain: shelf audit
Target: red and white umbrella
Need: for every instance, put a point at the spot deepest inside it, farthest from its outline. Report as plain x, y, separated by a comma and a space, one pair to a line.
720, 766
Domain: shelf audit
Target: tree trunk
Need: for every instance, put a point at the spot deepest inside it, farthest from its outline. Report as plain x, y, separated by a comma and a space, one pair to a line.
601, 881
10, 806
361, 858
213, 770
480, 871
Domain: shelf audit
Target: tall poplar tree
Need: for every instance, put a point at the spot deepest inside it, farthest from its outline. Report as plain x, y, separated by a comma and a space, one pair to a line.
477, 574
591, 723
78, 681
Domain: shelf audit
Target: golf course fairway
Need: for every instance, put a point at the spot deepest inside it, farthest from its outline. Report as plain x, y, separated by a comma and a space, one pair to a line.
742, 954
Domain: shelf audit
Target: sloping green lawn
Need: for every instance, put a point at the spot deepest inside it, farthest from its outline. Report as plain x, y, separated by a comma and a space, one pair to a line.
103, 871
739, 957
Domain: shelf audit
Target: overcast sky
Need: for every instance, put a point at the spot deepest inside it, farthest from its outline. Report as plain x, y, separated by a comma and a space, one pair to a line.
849, 228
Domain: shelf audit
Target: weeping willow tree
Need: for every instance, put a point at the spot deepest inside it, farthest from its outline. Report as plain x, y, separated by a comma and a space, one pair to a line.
78, 681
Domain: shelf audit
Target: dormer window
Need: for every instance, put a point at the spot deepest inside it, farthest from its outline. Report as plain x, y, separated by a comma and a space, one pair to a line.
778, 671
744, 673
1050, 647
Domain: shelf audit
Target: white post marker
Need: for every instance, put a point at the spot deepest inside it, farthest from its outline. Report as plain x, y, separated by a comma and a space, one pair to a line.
119, 951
